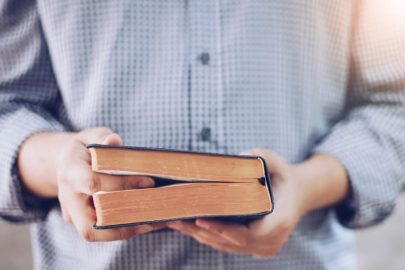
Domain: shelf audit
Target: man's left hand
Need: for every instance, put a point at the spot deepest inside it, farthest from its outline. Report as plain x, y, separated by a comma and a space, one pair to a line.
264, 237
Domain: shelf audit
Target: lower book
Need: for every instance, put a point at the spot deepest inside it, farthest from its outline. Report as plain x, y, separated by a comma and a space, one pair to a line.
189, 185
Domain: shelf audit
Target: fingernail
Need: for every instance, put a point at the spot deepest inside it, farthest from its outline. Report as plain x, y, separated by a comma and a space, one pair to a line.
146, 183
107, 139
112, 139
144, 229
202, 223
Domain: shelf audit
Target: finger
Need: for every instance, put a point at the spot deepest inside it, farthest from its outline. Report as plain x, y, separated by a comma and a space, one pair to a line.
233, 232
123, 182
269, 229
265, 253
229, 248
261, 251
77, 173
260, 227
83, 180
219, 243
158, 226
88, 182
191, 229
182, 226
84, 217
113, 139
275, 162
270, 236
205, 237
95, 135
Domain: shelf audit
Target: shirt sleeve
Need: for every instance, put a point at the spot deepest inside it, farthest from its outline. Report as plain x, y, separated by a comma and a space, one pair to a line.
370, 140
29, 103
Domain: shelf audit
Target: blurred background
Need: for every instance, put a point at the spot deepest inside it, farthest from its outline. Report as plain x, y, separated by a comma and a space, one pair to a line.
381, 247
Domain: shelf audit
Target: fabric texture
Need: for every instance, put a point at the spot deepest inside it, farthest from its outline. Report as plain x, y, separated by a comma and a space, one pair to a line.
295, 77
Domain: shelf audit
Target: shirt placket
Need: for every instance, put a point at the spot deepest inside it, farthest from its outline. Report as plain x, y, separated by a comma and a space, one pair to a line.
205, 93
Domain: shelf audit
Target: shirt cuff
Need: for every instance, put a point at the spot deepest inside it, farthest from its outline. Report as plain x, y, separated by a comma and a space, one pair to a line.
17, 204
373, 185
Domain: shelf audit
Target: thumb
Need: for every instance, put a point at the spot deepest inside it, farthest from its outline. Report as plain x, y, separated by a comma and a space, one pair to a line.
275, 162
113, 139
99, 135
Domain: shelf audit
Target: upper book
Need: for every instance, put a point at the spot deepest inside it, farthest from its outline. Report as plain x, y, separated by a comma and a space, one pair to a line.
189, 185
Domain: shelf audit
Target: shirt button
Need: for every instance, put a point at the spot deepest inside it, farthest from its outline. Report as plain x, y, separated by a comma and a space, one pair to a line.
204, 58
205, 134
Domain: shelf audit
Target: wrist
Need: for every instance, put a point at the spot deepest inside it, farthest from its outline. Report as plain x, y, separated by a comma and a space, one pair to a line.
38, 162
300, 179
322, 181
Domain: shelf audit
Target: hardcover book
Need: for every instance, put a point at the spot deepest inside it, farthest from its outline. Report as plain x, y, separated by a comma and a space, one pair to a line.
188, 185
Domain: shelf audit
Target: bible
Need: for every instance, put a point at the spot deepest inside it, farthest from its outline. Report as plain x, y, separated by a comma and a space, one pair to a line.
188, 185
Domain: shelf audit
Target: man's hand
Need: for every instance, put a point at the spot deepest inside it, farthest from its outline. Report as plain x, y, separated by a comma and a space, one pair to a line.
290, 183
265, 236
66, 173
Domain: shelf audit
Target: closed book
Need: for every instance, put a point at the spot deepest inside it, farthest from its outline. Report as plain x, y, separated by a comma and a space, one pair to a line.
188, 185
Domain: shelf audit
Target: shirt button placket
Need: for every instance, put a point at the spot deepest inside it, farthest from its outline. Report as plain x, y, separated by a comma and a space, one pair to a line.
204, 29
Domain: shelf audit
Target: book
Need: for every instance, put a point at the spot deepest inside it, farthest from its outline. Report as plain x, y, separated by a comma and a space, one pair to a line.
188, 185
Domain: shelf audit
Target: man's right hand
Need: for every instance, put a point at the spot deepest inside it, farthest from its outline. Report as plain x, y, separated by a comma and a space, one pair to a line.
59, 165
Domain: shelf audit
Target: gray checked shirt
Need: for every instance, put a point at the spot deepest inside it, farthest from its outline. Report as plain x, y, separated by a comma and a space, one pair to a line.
295, 77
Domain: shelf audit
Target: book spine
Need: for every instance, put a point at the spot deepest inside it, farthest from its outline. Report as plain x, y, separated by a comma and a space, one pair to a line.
267, 181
